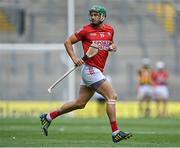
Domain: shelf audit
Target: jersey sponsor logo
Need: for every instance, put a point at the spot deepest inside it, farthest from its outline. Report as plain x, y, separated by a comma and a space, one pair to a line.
102, 44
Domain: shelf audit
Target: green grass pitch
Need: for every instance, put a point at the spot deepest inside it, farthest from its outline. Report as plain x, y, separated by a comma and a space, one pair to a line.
73, 132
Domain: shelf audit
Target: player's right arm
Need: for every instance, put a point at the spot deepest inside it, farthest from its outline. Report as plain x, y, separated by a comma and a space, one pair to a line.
69, 48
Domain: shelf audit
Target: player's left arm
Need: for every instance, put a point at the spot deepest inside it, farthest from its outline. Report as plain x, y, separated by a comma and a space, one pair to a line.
112, 46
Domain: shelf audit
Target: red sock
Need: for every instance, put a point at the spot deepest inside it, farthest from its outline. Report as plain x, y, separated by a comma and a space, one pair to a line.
54, 114
114, 126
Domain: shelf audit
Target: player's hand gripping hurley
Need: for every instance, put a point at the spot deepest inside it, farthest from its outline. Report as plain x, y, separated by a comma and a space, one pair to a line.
92, 51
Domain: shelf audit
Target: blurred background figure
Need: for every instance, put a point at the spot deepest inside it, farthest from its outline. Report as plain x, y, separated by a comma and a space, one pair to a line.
145, 90
101, 101
161, 92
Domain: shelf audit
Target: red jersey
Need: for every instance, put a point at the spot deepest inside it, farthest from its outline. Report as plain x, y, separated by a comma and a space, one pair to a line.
160, 77
103, 37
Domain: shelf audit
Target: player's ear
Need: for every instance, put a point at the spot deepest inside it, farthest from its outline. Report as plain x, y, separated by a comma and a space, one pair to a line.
102, 18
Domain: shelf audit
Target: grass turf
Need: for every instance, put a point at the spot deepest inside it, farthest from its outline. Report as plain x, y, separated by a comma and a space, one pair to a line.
73, 132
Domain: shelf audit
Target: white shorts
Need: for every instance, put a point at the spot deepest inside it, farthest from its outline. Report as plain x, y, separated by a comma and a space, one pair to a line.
161, 92
145, 91
91, 76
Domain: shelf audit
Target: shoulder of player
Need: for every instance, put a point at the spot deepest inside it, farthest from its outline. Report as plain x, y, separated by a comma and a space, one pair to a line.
87, 26
108, 27
84, 29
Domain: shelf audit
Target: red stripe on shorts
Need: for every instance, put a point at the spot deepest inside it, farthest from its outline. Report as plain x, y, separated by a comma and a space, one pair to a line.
91, 71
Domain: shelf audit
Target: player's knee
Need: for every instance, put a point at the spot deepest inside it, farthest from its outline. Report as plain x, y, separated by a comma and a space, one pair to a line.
112, 99
114, 96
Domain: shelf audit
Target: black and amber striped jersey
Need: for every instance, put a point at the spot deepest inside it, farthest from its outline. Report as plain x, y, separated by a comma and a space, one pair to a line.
145, 76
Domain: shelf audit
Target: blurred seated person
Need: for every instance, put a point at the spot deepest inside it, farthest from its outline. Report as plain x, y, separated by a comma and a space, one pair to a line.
161, 92
145, 89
